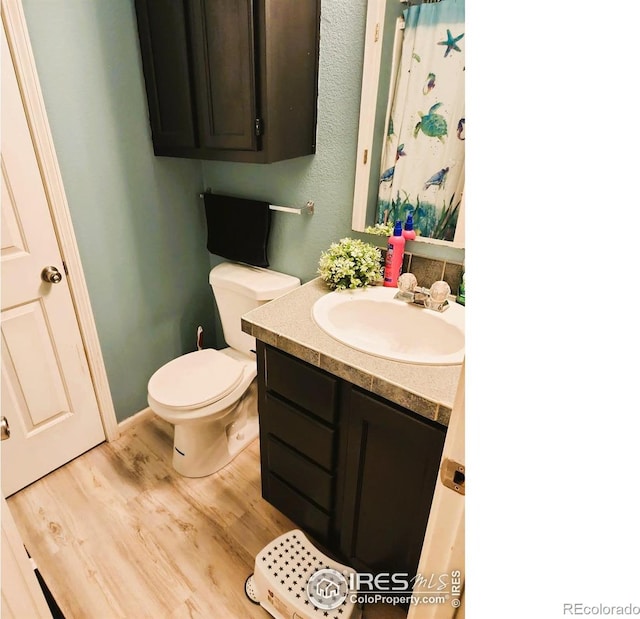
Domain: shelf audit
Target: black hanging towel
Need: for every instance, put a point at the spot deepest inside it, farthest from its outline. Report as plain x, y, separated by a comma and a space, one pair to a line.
238, 229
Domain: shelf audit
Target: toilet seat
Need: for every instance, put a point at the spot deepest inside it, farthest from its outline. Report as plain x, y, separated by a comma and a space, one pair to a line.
195, 380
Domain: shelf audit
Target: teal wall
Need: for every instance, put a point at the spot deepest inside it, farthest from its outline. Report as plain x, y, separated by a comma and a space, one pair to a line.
139, 223
137, 218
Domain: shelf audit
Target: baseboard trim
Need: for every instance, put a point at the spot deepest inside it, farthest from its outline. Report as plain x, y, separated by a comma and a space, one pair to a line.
125, 424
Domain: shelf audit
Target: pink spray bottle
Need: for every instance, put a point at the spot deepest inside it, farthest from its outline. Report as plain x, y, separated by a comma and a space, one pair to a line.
395, 254
409, 233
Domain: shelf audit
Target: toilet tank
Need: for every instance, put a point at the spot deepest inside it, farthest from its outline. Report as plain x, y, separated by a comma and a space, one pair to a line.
239, 288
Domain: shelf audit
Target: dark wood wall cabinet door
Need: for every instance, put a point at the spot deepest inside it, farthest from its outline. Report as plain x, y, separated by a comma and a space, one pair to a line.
224, 73
162, 27
231, 79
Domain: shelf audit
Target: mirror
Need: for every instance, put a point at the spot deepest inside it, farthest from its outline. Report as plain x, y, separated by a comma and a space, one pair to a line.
383, 43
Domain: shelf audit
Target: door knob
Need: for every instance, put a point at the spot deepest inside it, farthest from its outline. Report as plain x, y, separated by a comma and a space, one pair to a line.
4, 428
51, 275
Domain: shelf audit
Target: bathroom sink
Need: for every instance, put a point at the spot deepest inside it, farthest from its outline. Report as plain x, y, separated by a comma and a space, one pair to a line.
372, 321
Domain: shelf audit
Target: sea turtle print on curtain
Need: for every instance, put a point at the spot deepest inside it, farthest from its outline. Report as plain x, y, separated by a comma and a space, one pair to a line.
422, 169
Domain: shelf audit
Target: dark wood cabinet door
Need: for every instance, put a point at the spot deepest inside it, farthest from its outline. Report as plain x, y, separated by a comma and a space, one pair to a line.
222, 43
162, 28
391, 461
289, 70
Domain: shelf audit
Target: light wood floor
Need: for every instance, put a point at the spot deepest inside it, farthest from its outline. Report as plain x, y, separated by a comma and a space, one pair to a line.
118, 533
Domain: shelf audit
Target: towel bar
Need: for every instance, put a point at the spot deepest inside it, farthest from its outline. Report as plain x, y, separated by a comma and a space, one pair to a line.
308, 209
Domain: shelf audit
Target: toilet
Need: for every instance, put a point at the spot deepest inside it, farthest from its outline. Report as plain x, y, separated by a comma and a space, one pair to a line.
210, 396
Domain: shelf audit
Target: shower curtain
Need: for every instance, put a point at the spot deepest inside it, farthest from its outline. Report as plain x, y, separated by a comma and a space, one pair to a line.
422, 169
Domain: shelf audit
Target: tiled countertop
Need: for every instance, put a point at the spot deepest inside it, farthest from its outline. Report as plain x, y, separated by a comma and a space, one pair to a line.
287, 324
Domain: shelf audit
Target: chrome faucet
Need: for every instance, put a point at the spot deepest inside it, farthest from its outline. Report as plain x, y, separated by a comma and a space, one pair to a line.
417, 295
434, 298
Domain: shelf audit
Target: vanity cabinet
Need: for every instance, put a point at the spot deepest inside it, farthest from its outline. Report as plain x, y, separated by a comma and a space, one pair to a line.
233, 80
354, 470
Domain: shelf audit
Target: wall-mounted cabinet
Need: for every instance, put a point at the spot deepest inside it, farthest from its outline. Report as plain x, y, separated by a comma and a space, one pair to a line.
232, 80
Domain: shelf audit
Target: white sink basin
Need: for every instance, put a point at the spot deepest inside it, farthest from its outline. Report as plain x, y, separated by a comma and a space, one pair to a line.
372, 321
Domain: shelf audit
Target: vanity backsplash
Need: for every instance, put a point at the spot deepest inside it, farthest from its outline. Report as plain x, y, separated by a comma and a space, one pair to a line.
428, 270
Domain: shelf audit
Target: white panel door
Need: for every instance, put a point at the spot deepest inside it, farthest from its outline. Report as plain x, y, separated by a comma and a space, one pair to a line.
21, 593
47, 392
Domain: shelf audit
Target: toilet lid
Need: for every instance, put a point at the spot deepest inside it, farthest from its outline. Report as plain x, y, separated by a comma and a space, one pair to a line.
195, 379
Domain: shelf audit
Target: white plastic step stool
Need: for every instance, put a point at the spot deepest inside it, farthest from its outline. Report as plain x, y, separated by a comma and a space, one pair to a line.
294, 580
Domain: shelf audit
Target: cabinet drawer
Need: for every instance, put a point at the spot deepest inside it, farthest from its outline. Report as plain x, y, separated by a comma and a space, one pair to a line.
295, 506
303, 475
309, 387
302, 432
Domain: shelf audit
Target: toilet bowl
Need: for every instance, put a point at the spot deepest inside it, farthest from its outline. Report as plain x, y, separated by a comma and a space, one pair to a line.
210, 396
